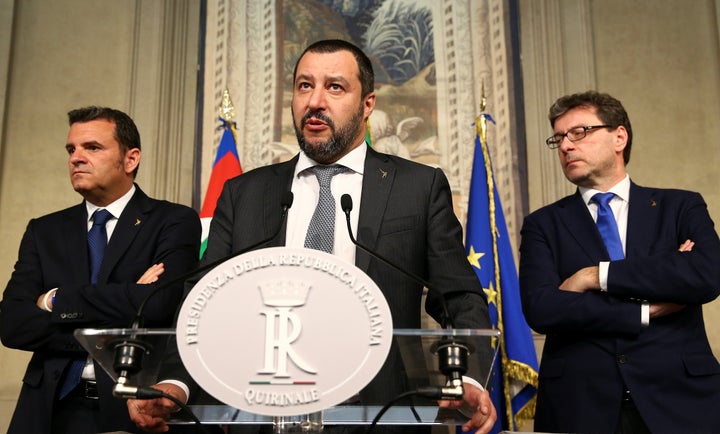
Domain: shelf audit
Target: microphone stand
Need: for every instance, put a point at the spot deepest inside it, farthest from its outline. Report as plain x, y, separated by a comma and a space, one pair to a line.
453, 354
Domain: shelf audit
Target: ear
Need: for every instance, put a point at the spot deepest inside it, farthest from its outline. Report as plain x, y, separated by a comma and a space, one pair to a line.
369, 105
132, 160
621, 138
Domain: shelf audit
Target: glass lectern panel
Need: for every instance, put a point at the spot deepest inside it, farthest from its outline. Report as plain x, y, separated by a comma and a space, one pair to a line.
421, 351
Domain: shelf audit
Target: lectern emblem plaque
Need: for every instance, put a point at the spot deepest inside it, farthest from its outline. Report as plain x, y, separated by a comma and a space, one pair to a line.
284, 331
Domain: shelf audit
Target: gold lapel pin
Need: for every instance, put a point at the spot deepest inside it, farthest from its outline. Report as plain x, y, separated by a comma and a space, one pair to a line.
137, 222
383, 174
653, 203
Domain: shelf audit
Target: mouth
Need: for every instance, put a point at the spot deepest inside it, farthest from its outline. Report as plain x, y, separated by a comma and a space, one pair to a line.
571, 159
316, 121
315, 124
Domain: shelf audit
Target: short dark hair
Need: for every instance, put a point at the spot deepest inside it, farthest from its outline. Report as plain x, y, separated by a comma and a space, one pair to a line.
366, 76
610, 111
126, 132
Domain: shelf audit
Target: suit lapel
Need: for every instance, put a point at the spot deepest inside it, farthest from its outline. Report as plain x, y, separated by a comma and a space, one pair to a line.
579, 224
377, 182
128, 226
74, 236
274, 191
642, 219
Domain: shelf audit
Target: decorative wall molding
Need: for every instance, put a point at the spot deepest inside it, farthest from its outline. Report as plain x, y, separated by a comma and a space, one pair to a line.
163, 74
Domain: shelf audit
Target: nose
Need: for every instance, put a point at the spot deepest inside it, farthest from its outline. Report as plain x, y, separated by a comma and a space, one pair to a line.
316, 98
565, 143
76, 157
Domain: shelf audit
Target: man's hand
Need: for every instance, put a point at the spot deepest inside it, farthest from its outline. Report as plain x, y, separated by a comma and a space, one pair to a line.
661, 309
151, 415
151, 274
584, 279
478, 402
686, 246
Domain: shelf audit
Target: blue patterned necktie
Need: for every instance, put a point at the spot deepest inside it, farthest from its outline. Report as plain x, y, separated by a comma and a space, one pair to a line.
607, 226
97, 241
321, 232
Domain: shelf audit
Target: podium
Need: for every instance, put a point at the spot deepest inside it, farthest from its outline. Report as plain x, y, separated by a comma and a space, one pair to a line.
418, 348
301, 339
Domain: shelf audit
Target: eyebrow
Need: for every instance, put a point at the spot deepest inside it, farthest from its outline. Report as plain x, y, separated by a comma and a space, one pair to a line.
330, 78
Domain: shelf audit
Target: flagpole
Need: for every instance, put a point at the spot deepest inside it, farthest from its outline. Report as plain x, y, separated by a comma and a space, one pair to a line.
481, 125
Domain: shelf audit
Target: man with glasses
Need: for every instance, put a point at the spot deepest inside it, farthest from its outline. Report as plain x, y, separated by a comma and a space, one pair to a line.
615, 276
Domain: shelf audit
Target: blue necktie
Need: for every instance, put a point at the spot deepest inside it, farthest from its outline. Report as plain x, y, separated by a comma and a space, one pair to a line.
97, 241
321, 232
607, 226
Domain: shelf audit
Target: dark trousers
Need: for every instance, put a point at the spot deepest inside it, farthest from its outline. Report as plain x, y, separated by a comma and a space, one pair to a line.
630, 420
75, 414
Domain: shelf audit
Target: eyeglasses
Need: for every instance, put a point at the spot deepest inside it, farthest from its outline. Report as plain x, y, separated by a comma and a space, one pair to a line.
573, 134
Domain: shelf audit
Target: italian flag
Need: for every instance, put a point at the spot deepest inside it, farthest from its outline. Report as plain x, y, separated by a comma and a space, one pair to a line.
226, 166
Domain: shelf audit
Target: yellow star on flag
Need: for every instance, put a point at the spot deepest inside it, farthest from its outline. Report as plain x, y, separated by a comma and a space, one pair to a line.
474, 258
491, 294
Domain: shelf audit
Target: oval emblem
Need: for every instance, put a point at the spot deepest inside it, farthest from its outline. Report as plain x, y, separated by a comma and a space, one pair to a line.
284, 331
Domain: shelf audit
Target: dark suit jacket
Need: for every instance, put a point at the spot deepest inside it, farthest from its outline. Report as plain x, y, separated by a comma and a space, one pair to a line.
53, 253
595, 344
406, 215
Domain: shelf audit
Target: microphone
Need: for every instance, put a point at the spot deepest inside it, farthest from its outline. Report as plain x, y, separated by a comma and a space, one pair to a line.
129, 351
452, 354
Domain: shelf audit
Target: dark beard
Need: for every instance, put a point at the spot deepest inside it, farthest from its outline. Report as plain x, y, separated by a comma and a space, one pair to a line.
337, 145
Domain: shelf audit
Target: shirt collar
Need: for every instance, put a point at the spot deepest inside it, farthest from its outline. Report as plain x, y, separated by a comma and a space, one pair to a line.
621, 190
353, 160
116, 208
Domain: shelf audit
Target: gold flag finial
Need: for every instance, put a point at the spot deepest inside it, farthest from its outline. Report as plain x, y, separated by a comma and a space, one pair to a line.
483, 99
227, 109
482, 128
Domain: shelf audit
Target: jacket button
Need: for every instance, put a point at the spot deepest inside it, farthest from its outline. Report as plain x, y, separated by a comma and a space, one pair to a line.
622, 358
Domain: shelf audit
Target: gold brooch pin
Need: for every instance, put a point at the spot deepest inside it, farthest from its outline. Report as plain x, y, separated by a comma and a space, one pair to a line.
137, 222
383, 174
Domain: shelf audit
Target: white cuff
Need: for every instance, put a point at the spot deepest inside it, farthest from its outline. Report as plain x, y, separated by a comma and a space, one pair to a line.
46, 305
179, 384
603, 274
645, 314
472, 381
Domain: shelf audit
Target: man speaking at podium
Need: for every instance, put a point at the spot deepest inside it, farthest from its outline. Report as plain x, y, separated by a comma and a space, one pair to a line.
405, 214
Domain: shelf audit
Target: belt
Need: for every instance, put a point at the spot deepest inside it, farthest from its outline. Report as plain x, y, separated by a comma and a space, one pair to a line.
85, 389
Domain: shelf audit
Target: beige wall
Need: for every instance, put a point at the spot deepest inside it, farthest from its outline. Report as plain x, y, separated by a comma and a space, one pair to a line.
659, 56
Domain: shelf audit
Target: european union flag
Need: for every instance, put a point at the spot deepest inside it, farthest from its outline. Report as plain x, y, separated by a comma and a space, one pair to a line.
515, 379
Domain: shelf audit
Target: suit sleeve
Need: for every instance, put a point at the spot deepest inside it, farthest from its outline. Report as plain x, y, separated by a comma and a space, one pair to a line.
448, 268
546, 260
23, 325
451, 273
664, 274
